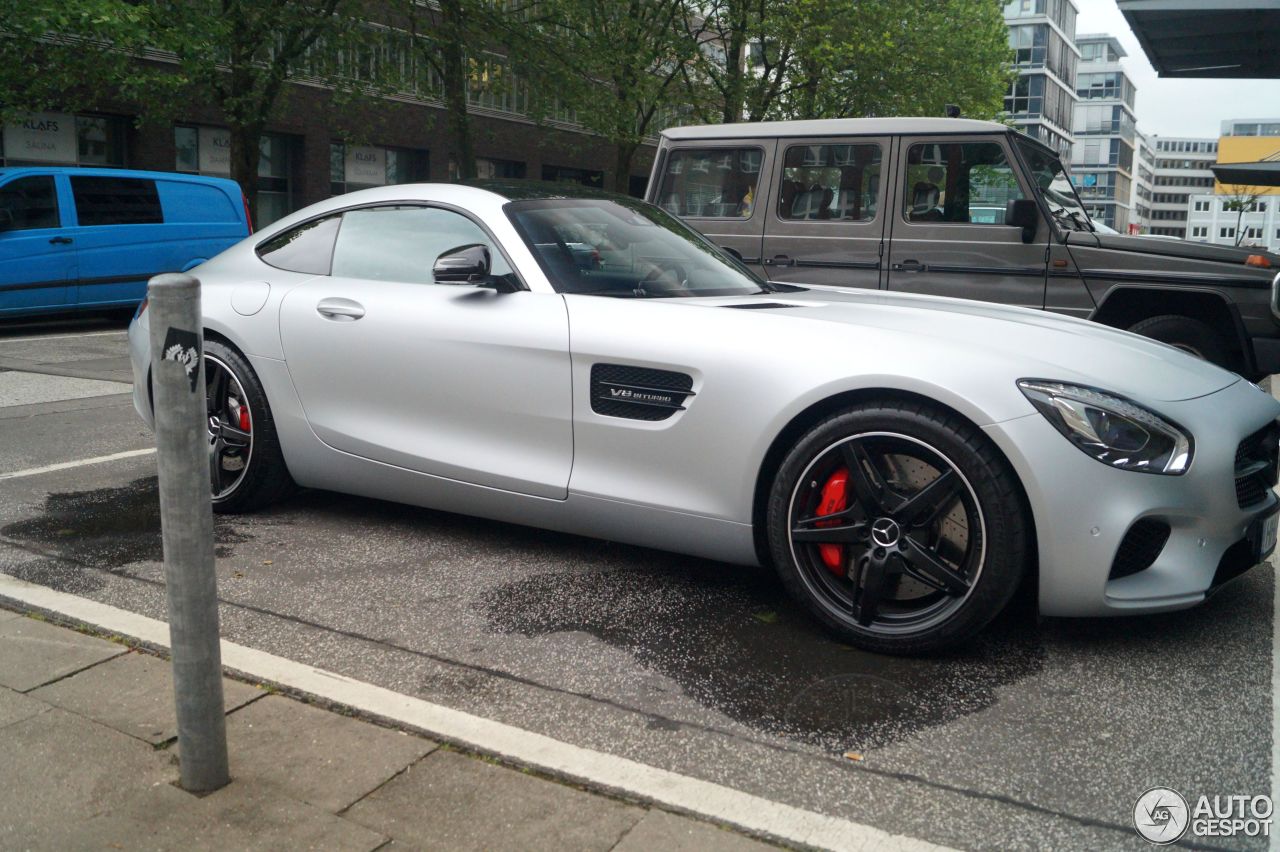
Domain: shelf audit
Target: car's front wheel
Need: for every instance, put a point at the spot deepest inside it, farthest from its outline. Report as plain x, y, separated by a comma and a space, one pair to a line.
899, 526
246, 468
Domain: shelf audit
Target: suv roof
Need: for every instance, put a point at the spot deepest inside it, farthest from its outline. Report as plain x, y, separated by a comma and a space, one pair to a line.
836, 127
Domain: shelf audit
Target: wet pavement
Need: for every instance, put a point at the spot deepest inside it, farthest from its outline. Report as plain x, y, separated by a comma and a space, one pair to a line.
1039, 733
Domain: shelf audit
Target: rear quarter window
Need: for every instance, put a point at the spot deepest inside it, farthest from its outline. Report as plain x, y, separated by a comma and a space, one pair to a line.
116, 201
196, 203
308, 248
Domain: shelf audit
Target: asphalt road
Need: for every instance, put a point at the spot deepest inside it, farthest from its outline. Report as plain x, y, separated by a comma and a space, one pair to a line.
1042, 733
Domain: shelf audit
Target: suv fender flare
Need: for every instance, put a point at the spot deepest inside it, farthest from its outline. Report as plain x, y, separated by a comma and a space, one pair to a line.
1124, 305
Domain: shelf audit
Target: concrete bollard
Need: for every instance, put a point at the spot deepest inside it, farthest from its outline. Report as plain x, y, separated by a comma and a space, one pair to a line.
186, 519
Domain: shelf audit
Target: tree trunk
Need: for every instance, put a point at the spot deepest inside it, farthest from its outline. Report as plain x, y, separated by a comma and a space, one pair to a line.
1240, 224
246, 151
454, 64
624, 153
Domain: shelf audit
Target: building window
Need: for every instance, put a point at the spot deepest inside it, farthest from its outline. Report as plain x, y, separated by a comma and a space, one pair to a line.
1227, 233
1253, 233
54, 138
1200, 231
207, 151
354, 167
586, 177
1202, 206
489, 167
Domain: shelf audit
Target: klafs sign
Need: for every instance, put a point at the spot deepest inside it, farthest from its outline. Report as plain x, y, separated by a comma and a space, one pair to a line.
215, 151
366, 165
45, 137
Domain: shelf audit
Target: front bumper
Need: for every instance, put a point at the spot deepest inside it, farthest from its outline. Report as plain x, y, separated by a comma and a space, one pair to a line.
140, 359
1083, 510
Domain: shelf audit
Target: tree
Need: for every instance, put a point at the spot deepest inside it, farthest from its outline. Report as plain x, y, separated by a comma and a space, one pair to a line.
620, 66
1241, 199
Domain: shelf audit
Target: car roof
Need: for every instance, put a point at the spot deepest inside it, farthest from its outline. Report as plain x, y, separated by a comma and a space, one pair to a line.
835, 127
531, 190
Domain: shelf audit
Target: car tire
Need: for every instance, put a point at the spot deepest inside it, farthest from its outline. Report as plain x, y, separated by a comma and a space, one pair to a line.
1190, 335
905, 576
246, 467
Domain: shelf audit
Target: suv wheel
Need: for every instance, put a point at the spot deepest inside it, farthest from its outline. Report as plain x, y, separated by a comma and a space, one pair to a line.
1190, 335
899, 526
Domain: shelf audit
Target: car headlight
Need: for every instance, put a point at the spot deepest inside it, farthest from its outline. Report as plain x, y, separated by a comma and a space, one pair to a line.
1110, 428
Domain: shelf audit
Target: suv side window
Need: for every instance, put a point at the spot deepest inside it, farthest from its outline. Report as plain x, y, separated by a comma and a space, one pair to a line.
31, 202
711, 183
116, 201
837, 182
307, 248
402, 243
958, 183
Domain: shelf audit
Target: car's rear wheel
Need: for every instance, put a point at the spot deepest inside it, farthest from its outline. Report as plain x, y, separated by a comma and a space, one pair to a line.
899, 526
246, 467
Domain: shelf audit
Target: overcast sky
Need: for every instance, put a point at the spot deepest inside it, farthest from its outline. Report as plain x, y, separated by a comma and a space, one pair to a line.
1172, 106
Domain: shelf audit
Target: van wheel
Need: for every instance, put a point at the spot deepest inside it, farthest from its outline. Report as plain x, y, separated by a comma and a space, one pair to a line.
246, 467
899, 526
1190, 335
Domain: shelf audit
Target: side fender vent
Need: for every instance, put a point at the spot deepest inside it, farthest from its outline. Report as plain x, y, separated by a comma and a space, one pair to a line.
638, 393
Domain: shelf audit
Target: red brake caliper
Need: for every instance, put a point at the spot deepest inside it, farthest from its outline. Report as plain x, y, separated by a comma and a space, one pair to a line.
245, 425
834, 499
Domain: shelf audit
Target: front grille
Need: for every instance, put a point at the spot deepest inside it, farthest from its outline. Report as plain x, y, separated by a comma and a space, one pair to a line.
1139, 547
1255, 467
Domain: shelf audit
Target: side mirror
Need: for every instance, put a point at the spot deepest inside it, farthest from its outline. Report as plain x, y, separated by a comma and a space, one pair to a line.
467, 264
1023, 213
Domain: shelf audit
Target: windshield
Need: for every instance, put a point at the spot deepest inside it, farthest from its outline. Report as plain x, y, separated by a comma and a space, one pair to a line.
606, 247
1054, 185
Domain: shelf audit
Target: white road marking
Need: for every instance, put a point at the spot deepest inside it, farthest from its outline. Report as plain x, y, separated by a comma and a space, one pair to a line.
604, 771
4, 340
50, 468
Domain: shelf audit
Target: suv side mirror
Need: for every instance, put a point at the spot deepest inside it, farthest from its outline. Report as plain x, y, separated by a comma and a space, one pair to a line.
1023, 213
467, 264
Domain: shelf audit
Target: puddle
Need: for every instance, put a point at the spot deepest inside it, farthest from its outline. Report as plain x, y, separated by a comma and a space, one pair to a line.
109, 527
735, 643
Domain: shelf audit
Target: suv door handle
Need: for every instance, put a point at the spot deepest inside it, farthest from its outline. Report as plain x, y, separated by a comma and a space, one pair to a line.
779, 260
340, 310
59, 241
910, 266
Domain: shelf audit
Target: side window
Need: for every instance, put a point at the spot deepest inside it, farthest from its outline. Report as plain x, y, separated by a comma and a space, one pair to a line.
959, 182
29, 202
719, 183
830, 182
402, 243
116, 201
307, 248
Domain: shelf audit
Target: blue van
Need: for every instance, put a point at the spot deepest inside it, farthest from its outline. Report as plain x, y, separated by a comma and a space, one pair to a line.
87, 239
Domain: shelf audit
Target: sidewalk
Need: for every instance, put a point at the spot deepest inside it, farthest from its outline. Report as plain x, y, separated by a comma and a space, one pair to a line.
87, 745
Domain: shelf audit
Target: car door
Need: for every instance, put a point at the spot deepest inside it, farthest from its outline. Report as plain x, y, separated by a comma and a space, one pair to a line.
721, 188
826, 223
948, 236
457, 381
120, 238
37, 255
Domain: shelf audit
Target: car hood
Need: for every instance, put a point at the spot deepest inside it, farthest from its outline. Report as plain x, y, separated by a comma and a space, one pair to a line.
1039, 344
1185, 249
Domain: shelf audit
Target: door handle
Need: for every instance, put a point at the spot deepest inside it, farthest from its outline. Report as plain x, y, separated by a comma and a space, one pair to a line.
779, 260
910, 266
59, 241
340, 310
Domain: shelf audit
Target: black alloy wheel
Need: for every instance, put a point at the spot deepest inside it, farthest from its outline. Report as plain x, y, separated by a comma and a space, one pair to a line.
899, 527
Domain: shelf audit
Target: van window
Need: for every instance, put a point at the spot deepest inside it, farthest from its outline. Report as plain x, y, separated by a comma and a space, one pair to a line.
402, 243
116, 201
830, 182
31, 202
307, 248
713, 183
959, 182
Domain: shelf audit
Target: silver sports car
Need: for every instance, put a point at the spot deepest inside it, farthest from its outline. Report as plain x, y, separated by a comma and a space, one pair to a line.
585, 362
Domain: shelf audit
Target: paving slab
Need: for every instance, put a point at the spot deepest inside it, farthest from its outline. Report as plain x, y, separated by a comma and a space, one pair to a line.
140, 687
673, 833
315, 756
5, 614
451, 801
14, 707
33, 653
60, 769
18, 388
241, 815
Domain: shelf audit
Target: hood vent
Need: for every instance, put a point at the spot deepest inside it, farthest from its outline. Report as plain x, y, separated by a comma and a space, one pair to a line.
759, 306
638, 393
